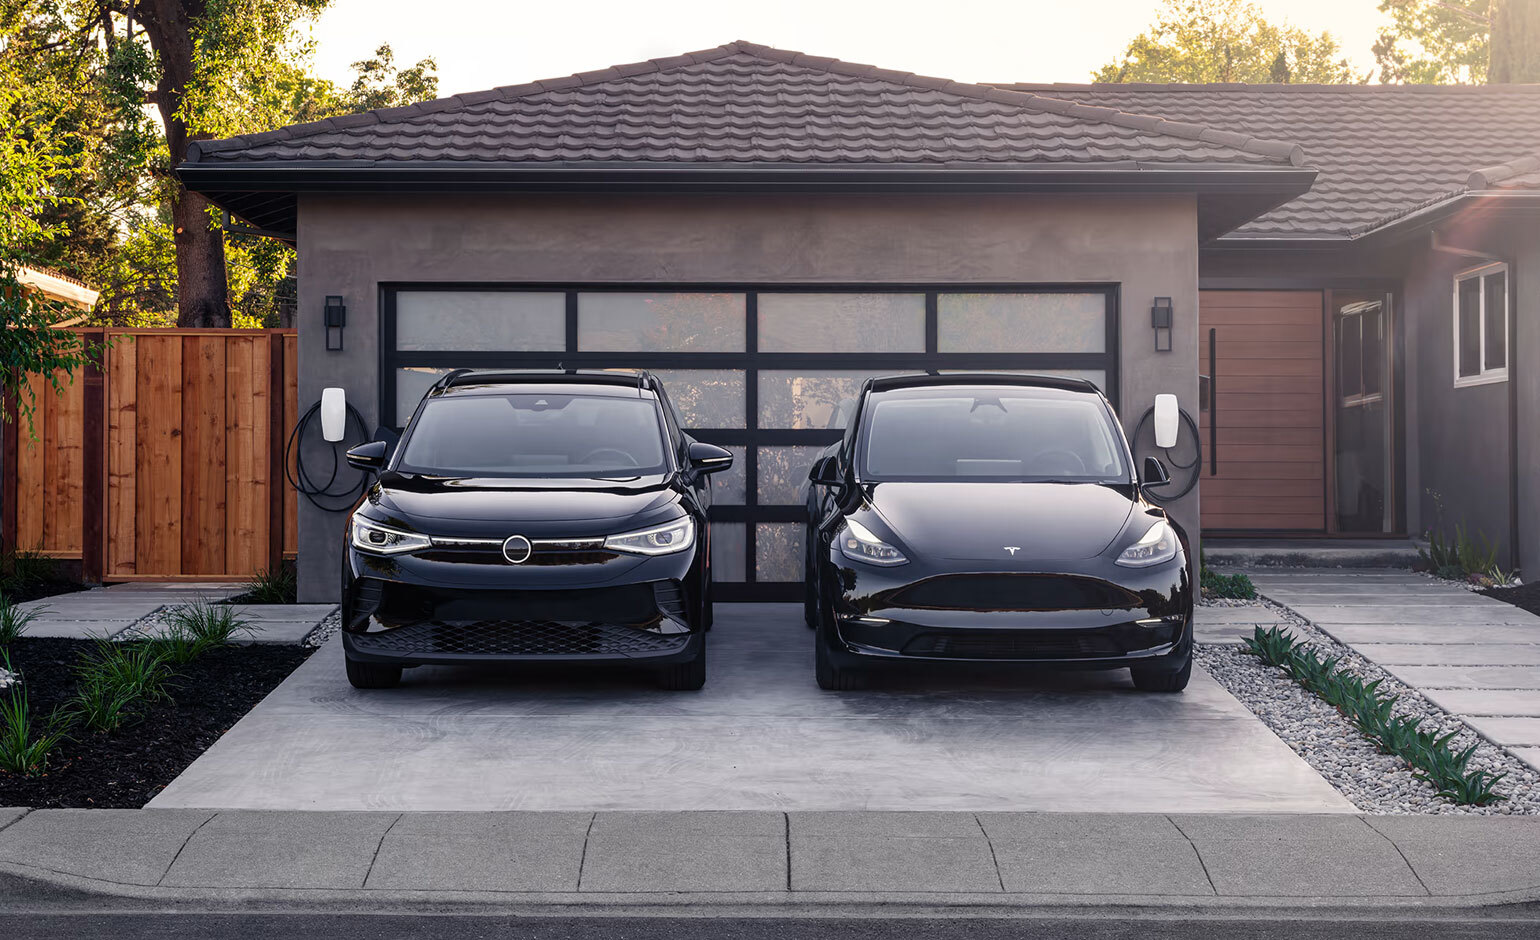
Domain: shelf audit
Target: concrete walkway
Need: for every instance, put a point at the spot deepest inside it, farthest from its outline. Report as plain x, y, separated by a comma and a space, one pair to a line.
1475, 656
761, 736
135, 609
698, 858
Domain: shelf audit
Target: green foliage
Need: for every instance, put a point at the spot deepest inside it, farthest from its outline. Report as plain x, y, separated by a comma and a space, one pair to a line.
1458, 558
24, 748
1225, 41
1430, 755
116, 681
1236, 586
21, 569
273, 587
1433, 42
195, 628
14, 620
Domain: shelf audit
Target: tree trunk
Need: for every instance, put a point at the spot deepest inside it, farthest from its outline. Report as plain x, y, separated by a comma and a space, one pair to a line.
202, 292
1515, 43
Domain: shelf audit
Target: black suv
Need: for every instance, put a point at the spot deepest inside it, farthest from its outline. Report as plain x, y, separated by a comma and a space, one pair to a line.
532, 516
993, 517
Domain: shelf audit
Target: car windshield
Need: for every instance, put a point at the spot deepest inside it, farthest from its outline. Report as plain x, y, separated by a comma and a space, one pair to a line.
992, 434
535, 435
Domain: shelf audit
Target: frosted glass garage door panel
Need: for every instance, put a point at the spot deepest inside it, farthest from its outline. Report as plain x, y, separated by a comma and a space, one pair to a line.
842, 322
728, 487
623, 321
1035, 323
783, 474
481, 320
816, 399
728, 541
411, 385
778, 551
706, 398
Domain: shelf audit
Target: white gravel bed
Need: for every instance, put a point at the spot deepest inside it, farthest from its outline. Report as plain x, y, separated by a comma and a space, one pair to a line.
324, 630
1376, 783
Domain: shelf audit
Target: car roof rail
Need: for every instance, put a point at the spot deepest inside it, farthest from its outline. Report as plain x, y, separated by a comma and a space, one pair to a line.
634, 379
890, 382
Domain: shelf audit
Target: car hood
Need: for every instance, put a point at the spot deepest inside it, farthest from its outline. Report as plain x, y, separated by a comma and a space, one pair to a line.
978, 521
495, 508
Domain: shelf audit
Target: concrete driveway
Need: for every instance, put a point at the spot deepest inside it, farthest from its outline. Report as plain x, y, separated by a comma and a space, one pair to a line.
761, 736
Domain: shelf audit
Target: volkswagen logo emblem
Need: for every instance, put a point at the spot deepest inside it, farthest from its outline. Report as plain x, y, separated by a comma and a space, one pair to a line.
516, 549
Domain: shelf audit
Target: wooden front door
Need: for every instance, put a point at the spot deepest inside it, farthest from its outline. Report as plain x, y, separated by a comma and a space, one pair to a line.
1262, 424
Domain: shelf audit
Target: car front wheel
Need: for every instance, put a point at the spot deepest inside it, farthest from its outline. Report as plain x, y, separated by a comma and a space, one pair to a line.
1162, 679
362, 675
689, 676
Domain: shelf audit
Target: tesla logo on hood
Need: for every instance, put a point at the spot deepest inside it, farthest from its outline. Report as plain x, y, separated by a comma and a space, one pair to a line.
1013, 549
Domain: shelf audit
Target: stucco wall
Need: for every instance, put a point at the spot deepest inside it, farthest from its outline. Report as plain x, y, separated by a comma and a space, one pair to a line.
348, 245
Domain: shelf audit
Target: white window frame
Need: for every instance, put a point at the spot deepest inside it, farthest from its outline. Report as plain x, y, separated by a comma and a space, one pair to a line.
1486, 376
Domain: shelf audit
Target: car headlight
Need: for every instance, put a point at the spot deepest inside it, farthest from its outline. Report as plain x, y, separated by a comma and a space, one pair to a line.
1158, 545
858, 542
665, 539
370, 536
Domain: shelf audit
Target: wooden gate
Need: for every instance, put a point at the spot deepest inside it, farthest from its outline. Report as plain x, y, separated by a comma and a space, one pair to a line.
162, 460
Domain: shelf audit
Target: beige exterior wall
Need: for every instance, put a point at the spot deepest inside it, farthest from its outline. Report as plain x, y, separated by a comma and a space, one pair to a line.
349, 245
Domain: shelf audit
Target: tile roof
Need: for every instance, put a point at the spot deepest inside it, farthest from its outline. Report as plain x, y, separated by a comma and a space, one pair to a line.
1382, 150
746, 104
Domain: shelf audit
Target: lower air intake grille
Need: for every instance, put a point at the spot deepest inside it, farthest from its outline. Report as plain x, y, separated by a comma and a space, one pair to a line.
516, 638
1014, 644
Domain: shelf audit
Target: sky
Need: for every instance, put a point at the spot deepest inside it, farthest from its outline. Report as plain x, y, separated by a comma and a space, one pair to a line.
485, 43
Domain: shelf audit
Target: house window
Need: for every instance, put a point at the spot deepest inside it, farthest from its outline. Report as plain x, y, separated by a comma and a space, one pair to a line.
1481, 325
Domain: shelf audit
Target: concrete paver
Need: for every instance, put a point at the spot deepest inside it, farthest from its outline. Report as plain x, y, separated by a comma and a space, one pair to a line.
686, 852
1483, 702
109, 611
1078, 853
1529, 755
1454, 856
482, 852
281, 850
1467, 677
1282, 856
1446, 654
1519, 732
122, 846
1430, 630
1230, 625
1399, 615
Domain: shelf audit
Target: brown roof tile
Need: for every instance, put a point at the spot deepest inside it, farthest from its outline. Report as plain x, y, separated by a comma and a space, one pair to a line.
1382, 150
743, 103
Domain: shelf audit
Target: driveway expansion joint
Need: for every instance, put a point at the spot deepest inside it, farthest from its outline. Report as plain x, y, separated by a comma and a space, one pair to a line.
993, 858
1196, 852
1368, 821
583, 858
377, 846
183, 847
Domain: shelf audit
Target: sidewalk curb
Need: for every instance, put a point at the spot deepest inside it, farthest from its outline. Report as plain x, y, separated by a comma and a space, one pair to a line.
20, 881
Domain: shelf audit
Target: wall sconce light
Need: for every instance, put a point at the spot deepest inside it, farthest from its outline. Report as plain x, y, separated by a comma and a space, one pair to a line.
1160, 319
336, 319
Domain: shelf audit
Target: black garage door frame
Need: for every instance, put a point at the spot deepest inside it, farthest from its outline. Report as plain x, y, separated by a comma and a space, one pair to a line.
750, 361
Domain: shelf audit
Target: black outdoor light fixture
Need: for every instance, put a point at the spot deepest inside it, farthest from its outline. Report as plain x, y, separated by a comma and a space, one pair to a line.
336, 319
1160, 319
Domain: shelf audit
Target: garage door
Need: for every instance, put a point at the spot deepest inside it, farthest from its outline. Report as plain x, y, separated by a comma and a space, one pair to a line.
768, 372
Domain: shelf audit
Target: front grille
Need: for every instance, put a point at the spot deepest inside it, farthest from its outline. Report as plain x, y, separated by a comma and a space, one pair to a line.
1017, 592
540, 557
1013, 644
516, 638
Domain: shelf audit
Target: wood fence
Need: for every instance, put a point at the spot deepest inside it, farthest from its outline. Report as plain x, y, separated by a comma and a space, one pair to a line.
161, 460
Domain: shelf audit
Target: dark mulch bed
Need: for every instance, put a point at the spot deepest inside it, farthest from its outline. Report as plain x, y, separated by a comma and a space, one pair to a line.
1526, 596
129, 766
32, 590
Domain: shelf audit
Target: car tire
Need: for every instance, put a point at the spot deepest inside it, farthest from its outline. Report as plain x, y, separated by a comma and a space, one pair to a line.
809, 590
688, 676
831, 675
1149, 679
362, 675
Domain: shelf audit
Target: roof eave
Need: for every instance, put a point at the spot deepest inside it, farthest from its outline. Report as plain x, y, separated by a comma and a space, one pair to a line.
224, 183
1401, 227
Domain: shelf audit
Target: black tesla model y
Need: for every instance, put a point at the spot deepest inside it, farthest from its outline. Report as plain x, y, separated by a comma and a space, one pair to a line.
993, 518
532, 516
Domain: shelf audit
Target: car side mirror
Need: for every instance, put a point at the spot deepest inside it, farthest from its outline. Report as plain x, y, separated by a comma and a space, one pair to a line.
709, 458
825, 472
1154, 473
369, 457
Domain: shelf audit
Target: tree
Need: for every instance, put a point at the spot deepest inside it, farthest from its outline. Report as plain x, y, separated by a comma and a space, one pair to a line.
37, 153
1225, 41
1515, 43
1433, 42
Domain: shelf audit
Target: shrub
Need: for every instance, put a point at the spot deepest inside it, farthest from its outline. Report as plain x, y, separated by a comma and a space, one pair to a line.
1461, 557
1236, 586
194, 628
1431, 756
21, 569
14, 620
273, 587
116, 681
24, 749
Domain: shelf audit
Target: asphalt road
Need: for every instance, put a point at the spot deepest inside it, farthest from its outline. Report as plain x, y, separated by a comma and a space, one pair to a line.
1100, 925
